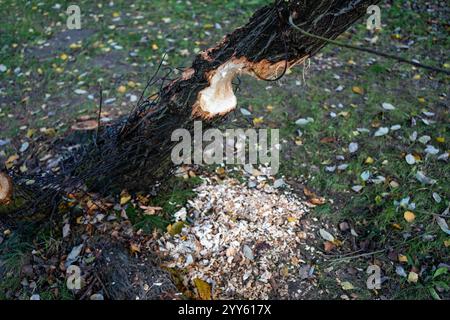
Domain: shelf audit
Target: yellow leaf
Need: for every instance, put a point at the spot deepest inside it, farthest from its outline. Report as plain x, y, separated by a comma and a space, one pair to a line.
402, 258
10, 161
409, 216
413, 277
116, 14
74, 46
396, 226
347, 285
63, 56
292, 219
122, 89
131, 84
269, 108
421, 100
417, 77
124, 199
257, 121
447, 243
440, 139
155, 46
176, 228
358, 90
59, 70
30, 133
203, 289
369, 160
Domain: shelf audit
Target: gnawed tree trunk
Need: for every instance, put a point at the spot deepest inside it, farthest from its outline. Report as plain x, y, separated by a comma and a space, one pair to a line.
134, 152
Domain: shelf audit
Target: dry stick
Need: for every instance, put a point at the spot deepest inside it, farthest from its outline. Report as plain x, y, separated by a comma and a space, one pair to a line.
99, 115
375, 52
355, 256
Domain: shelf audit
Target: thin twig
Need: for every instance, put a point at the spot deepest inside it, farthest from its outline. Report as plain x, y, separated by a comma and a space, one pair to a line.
356, 256
375, 52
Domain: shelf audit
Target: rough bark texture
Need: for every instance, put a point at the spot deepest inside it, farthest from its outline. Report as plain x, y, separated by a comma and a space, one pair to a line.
134, 152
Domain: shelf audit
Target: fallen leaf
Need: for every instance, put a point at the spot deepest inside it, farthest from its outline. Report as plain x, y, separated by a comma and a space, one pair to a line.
381, 132
413, 277
122, 89
442, 224
328, 246
353, 147
358, 90
410, 159
176, 228
124, 199
409, 216
326, 235
292, 219
308, 193
203, 289
150, 211
135, 248
10, 161
388, 106
347, 286
318, 201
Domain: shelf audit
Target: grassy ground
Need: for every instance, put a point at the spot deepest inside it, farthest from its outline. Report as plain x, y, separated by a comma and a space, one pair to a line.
45, 89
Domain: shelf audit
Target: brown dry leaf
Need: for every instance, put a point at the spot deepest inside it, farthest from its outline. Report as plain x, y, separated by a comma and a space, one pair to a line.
308, 193
150, 211
328, 140
203, 289
134, 247
328, 246
318, 201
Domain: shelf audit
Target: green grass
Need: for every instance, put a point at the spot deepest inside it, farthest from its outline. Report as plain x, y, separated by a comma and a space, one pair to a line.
191, 27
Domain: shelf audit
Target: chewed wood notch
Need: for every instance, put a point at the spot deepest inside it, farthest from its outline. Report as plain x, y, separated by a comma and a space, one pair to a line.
219, 98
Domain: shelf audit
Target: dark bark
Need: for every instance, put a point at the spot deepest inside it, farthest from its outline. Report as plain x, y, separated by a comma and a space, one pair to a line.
134, 152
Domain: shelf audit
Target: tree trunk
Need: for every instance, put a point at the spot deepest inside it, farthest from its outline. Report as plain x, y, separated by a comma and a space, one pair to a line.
134, 152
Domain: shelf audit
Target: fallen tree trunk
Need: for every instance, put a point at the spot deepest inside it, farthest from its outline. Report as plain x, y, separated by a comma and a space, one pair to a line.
134, 152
